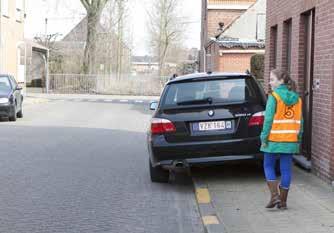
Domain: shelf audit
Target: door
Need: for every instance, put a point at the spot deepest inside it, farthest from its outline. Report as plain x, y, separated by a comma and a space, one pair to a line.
308, 92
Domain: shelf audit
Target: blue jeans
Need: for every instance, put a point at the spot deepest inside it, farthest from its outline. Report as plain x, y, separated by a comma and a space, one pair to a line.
269, 163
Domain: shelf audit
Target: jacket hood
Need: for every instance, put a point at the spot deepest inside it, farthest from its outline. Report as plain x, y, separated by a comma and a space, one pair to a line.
288, 97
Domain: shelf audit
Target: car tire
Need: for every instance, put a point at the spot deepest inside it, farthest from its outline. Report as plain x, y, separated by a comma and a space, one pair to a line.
14, 116
158, 174
20, 113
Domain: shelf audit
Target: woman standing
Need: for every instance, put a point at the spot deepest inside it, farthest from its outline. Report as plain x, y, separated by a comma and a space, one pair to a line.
281, 135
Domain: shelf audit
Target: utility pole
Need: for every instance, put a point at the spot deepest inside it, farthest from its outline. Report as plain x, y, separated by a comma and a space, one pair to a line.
46, 31
46, 58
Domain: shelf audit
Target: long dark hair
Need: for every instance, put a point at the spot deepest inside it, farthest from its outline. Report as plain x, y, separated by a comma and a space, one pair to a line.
282, 75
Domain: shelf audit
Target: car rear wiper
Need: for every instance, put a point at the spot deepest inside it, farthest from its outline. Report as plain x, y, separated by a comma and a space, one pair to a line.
200, 101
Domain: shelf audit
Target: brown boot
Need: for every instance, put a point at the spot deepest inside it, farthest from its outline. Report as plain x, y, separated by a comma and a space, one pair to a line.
283, 197
275, 198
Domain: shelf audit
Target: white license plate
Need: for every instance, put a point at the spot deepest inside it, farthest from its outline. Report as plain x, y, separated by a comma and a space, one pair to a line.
215, 125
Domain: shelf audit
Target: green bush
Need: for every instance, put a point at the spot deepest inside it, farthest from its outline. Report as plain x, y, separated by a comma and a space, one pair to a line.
257, 66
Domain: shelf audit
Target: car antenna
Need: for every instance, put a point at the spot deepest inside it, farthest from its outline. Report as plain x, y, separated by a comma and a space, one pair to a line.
174, 76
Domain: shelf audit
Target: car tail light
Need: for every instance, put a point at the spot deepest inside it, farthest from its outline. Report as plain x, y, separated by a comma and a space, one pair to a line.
257, 119
160, 126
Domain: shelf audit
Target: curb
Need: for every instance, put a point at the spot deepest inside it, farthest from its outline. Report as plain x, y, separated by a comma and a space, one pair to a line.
208, 213
29, 101
87, 96
86, 99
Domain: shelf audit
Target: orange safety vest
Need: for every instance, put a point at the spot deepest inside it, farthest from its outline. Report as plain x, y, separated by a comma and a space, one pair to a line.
287, 121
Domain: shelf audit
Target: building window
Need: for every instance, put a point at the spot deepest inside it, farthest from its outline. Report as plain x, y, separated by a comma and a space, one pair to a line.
287, 42
261, 27
4, 8
273, 47
18, 15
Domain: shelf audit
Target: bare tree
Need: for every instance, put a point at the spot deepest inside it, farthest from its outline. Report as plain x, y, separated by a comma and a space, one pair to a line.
120, 36
94, 9
49, 41
165, 29
55, 58
116, 45
117, 27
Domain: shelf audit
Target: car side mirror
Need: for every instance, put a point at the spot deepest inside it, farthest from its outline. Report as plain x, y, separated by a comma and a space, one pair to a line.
154, 105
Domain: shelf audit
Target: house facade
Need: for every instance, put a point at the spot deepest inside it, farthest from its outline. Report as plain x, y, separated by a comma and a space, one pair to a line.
300, 40
12, 47
213, 13
108, 49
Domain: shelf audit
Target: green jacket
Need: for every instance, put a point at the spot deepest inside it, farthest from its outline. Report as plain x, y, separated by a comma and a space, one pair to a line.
289, 98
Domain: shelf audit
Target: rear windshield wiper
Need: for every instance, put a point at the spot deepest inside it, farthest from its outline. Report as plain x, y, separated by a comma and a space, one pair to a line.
200, 101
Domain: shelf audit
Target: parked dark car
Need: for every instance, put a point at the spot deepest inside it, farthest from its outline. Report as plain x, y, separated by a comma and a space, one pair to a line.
205, 118
11, 98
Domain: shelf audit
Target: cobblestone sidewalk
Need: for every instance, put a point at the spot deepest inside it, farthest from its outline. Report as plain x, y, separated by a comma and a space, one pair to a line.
239, 196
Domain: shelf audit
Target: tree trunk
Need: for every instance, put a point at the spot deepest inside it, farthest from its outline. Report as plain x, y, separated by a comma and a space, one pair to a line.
120, 34
89, 64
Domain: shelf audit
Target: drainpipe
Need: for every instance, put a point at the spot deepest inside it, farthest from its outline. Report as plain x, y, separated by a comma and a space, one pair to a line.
204, 59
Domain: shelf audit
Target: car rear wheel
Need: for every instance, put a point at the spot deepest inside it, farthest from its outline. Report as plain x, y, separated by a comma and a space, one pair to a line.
20, 113
158, 174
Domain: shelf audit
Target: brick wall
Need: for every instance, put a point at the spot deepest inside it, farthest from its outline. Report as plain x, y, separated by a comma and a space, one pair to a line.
213, 57
235, 62
279, 11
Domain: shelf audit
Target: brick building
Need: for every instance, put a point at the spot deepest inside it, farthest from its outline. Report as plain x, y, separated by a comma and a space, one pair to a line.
230, 49
300, 40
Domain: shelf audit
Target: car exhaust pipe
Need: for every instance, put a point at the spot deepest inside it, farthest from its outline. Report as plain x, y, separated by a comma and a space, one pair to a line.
179, 164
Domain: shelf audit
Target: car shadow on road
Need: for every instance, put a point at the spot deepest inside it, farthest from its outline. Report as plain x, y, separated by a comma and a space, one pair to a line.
232, 170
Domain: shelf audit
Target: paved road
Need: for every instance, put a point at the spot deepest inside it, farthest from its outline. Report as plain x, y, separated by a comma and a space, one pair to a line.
79, 166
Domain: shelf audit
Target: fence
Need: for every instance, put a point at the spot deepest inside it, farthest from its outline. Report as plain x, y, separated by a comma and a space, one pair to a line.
106, 84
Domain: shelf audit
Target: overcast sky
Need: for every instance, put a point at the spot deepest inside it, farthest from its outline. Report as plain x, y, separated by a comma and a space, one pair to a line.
63, 15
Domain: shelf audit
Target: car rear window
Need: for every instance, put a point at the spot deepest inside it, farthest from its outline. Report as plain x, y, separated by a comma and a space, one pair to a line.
231, 90
4, 84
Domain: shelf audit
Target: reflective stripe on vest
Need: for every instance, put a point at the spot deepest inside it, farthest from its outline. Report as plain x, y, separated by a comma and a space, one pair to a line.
287, 121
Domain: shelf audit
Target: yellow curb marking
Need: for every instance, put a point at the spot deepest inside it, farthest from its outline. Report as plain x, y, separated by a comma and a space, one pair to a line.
203, 196
210, 220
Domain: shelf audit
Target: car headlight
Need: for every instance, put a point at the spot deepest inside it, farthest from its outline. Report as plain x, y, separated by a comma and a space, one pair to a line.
4, 100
